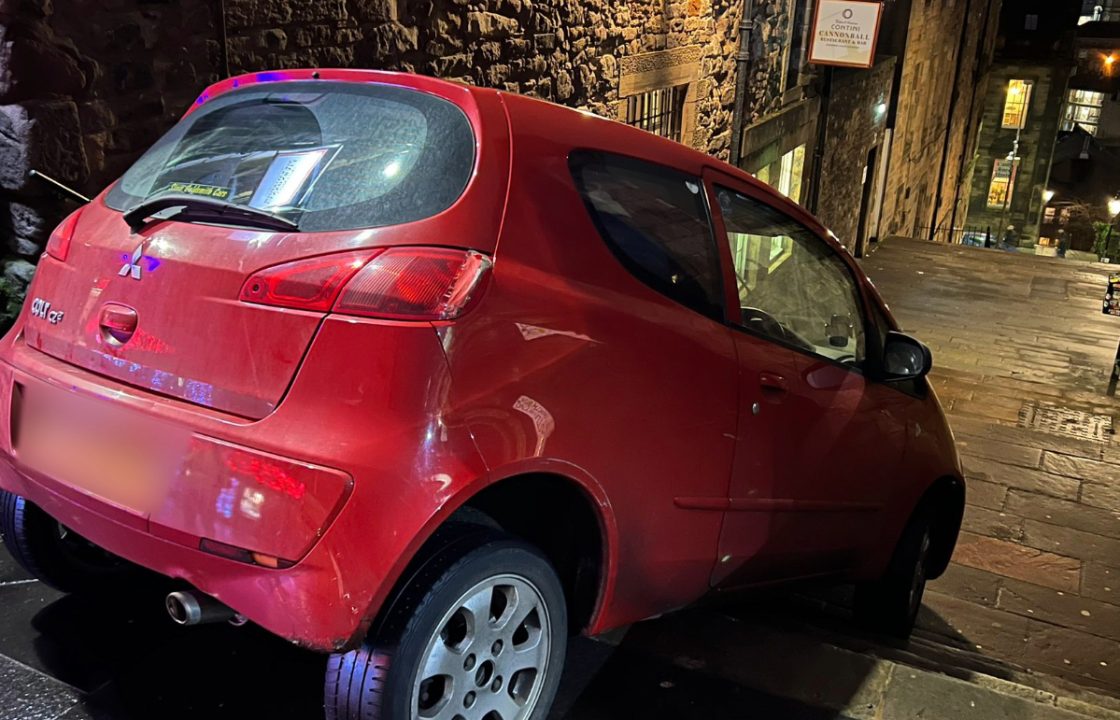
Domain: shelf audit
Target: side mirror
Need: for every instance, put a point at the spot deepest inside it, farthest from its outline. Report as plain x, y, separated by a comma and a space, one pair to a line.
905, 358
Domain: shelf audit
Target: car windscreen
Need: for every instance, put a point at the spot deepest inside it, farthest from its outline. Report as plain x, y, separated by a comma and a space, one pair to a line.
325, 155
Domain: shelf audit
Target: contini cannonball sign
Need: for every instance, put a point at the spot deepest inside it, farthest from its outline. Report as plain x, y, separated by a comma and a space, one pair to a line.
845, 33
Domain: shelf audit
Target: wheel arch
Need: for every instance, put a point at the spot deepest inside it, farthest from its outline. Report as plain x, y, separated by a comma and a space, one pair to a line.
558, 496
565, 521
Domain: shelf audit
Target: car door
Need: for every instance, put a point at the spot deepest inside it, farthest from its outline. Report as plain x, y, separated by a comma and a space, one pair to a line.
813, 453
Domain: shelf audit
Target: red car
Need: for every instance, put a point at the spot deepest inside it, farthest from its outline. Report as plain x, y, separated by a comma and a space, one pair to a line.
428, 376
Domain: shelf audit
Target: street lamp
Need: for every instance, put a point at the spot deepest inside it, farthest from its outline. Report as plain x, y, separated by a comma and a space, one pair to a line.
1047, 196
1114, 207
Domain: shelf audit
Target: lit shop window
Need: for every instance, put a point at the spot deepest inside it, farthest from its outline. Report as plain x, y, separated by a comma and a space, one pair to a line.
1016, 105
1003, 183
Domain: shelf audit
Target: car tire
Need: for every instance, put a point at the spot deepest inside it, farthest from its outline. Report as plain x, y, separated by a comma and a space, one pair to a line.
51, 553
890, 605
433, 654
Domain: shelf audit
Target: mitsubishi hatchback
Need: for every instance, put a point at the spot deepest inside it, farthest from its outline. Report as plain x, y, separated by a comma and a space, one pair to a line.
428, 377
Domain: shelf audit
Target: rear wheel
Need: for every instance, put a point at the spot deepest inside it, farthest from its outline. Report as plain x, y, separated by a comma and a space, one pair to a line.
51, 552
482, 633
890, 605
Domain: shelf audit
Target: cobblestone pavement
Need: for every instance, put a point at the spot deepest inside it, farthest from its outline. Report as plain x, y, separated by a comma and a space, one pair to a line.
1022, 355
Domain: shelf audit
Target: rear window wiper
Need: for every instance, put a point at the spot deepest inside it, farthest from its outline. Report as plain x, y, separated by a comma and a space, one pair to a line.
194, 208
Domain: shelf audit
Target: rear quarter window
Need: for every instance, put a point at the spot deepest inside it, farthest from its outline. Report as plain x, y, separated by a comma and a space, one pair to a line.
656, 222
326, 155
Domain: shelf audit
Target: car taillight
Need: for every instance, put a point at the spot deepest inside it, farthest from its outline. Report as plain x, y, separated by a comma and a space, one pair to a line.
400, 283
311, 284
410, 283
58, 246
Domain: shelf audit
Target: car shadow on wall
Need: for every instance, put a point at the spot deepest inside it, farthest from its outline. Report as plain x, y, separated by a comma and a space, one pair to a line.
763, 656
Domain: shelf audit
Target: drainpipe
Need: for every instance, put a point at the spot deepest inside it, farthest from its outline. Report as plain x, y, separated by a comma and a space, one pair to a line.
817, 177
224, 37
743, 67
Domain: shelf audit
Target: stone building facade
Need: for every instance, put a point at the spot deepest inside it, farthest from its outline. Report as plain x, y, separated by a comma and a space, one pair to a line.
86, 86
942, 78
1032, 146
853, 166
888, 150
1033, 68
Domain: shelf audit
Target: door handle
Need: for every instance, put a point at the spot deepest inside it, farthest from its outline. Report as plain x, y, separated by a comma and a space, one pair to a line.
773, 382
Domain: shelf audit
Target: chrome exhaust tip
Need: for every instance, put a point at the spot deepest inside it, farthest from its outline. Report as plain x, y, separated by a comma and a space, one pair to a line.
187, 608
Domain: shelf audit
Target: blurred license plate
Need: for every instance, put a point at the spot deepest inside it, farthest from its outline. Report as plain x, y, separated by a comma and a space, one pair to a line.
120, 457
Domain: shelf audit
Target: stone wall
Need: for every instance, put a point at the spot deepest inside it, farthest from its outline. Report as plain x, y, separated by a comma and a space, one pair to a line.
773, 34
856, 126
951, 213
85, 87
926, 117
567, 51
88, 85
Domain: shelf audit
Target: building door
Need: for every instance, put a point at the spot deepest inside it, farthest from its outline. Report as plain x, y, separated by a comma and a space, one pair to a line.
869, 178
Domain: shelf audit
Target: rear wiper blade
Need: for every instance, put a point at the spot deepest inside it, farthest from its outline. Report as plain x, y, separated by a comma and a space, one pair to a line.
177, 206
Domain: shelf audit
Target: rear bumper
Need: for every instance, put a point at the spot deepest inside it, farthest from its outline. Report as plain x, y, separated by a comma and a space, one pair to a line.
295, 603
379, 483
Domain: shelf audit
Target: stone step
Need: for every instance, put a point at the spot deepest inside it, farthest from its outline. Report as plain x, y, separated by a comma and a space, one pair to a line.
859, 677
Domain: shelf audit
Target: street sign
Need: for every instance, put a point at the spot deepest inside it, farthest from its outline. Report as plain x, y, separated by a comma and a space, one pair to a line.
1112, 296
845, 33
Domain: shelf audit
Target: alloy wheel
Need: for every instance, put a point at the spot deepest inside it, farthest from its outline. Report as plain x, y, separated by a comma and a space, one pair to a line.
488, 658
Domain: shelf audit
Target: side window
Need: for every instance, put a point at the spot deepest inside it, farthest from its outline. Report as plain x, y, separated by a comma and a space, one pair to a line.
656, 222
792, 286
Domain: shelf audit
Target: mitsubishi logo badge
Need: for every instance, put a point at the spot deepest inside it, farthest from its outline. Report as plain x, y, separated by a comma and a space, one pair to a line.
132, 267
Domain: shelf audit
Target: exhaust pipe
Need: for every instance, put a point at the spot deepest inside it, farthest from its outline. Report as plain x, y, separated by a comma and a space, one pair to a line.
187, 608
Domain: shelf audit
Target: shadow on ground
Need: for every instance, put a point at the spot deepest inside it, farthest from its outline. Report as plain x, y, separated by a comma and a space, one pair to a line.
743, 660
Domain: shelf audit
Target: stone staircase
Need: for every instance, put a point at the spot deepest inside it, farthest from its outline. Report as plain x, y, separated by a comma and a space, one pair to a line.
807, 651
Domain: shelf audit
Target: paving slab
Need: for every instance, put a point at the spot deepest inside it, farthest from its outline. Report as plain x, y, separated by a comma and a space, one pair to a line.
1014, 560
1066, 609
1101, 582
1013, 476
1070, 542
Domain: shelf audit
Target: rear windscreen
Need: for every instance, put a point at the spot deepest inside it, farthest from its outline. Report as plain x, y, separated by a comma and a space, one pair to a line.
325, 155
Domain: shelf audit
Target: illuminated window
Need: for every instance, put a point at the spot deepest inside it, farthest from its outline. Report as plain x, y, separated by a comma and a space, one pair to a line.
1016, 105
1083, 108
786, 174
1003, 183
